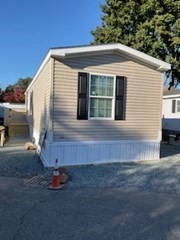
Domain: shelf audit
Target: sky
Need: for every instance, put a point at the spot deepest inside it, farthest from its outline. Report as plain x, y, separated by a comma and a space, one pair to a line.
29, 28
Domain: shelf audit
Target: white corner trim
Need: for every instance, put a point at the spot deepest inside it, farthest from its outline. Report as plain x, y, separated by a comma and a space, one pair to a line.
160, 135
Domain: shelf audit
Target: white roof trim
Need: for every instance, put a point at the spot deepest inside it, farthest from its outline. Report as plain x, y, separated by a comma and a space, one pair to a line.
113, 47
171, 96
63, 52
39, 70
13, 105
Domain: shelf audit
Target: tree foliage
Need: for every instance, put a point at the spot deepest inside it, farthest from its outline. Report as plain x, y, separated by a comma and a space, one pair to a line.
15, 96
150, 26
1, 95
15, 93
23, 82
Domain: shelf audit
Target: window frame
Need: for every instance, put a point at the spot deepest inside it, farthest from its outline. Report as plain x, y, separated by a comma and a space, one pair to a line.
102, 97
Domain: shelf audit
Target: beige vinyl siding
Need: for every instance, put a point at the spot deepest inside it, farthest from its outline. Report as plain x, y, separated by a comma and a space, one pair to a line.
143, 104
41, 89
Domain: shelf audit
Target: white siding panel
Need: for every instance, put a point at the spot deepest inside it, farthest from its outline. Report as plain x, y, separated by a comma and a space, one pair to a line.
41, 90
74, 153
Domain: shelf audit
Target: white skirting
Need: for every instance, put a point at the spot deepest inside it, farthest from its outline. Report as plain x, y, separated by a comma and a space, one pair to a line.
91, 152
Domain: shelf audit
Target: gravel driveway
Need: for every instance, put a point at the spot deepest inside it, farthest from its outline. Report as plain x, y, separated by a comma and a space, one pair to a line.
16, 161
156, 176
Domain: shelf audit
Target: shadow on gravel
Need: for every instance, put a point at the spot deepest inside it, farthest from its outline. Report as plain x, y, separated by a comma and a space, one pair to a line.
168, 150
158, 176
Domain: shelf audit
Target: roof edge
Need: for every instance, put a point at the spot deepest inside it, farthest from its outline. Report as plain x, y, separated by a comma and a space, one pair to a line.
171, 96
40, 68
63, 52
161, 65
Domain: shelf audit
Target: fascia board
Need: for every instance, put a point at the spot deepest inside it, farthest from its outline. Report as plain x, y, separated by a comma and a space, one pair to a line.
160, 65
171, 96
62, 53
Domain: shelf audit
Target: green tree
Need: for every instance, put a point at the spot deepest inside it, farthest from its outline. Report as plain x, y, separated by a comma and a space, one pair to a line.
9, 88
23, 82
150, 26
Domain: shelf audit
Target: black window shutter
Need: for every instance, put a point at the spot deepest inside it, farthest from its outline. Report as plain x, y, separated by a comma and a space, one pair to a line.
82, 108
173, 106
120, 98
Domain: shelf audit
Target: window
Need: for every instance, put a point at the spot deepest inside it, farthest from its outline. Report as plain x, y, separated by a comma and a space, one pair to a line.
101, 96
175, 106
178, 105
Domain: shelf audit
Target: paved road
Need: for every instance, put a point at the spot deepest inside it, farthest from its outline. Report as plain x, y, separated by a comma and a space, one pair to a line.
34, 213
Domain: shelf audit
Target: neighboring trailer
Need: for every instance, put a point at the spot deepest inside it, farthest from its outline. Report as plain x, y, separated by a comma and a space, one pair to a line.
96, 104
14, 113
15, 119
171, 111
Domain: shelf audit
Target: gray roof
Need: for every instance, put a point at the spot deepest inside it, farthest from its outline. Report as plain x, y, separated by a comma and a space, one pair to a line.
171, 92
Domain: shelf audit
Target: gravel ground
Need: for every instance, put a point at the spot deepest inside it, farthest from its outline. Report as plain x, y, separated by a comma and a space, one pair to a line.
157, 176
16, 161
